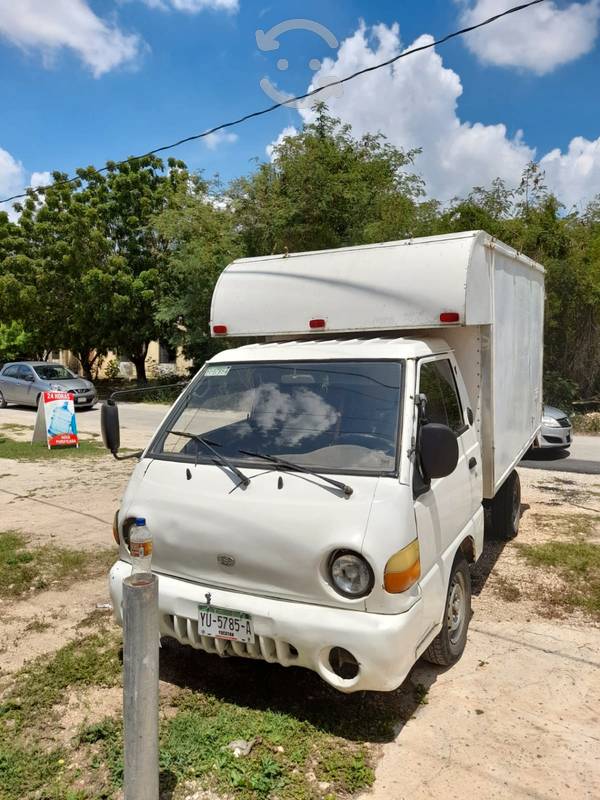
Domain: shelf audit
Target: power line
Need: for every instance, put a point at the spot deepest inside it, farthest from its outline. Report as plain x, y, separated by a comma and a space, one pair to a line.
311, 93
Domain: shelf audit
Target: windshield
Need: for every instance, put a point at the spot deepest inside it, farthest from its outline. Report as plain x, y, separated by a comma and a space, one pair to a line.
53, 372
339, 416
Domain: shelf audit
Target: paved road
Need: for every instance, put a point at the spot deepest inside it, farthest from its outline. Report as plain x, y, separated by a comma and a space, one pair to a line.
140, 420
584, 457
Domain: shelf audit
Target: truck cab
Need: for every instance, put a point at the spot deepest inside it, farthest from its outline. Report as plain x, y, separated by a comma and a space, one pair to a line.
316, 499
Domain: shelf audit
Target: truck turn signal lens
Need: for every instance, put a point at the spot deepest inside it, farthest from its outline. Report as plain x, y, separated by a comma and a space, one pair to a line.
403, 569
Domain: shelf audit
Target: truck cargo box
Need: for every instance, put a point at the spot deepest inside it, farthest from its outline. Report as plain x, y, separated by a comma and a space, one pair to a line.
485, 299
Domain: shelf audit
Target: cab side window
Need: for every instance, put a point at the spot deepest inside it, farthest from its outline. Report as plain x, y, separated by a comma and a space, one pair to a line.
443, 403
25, 373
11, 372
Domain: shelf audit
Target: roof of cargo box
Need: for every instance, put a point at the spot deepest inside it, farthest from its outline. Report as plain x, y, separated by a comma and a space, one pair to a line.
431, 282
384, 348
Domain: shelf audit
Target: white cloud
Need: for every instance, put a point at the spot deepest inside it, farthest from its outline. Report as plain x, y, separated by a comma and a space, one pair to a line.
52, 26
539, 39
289, 131
39, 179
215, 140
12, 178
12, 174
575, 175
414, 103
194, 6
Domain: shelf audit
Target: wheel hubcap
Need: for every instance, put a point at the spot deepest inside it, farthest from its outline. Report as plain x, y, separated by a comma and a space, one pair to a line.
456, 610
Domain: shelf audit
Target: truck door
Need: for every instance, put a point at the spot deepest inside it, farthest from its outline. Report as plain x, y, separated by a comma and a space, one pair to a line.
445, 512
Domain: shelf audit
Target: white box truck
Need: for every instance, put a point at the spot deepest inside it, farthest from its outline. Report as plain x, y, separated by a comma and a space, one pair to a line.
316, 496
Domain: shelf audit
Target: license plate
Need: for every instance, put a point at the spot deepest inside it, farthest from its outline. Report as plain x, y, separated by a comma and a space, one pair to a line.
222, 623
81, 399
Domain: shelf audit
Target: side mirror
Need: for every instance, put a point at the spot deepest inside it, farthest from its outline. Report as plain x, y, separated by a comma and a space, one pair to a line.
29, 378
109, 423
438, 450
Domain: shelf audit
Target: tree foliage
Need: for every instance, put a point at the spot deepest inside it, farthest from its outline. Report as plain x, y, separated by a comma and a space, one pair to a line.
119, 258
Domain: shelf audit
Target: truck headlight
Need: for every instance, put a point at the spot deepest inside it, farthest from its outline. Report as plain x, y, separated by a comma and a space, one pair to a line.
351, 574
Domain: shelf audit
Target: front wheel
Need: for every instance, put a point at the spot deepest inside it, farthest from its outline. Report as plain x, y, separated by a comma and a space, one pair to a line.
449, 644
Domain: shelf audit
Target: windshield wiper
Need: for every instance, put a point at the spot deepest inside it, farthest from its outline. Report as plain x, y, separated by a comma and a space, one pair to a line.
347, 490
244, 479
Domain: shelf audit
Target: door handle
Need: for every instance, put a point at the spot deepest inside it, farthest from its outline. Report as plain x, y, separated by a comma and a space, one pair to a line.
472, 463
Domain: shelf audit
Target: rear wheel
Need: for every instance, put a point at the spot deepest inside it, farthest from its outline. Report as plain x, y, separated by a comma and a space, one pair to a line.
3, 402
504, 513
449, 644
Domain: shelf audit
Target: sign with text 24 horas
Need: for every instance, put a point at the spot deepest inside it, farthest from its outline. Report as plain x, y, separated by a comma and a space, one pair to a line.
55, 422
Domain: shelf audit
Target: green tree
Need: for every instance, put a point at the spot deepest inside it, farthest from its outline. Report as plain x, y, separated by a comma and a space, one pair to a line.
200, 230
127, 199
52, 285
323, 188
15, 343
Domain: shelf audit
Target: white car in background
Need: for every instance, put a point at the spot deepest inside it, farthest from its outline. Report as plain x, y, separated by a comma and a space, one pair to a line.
556, 429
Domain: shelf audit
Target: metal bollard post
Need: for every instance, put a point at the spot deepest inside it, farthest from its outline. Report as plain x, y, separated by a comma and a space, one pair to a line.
140, 686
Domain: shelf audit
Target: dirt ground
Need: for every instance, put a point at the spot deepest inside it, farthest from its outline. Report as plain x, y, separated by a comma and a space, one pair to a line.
517, 717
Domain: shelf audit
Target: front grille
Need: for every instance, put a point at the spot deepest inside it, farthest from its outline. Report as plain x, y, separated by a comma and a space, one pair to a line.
564, 422
185, 630
553, 439
82, 391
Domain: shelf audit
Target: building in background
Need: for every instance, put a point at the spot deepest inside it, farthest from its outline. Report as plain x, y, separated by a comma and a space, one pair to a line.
161, 360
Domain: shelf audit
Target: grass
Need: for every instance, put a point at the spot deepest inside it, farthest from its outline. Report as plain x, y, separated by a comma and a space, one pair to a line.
23, 569
293, 758
574, 526
37, 626
27, 768
289, 760
25, 451
507, 589
578, 564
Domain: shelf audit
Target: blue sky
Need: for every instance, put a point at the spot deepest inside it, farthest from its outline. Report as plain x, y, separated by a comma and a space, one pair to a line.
91, 80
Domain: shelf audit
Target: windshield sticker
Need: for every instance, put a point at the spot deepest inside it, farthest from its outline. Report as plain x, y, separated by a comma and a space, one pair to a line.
213, 372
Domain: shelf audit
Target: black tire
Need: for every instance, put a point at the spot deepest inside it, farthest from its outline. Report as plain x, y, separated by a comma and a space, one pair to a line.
3, 402
448, 646
504, 513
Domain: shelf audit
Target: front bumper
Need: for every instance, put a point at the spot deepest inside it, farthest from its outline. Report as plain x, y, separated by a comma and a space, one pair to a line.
551, 436
290, 633
85, 401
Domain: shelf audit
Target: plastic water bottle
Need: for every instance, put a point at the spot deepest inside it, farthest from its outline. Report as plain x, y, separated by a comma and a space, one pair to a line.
140, 547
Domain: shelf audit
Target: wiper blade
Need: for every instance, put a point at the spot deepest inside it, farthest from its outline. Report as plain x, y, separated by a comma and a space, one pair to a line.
244, 479
347, 490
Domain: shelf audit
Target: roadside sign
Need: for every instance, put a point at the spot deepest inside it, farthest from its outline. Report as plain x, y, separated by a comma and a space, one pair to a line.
55, 422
